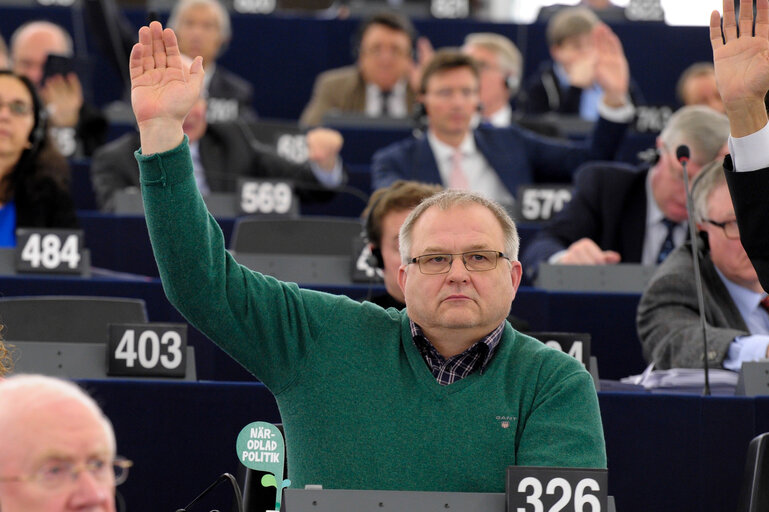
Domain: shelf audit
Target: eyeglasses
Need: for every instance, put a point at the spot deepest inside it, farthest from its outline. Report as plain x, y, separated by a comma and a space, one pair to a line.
378, 51
731, 231
474, 261
17, 108
56, 474
448, 92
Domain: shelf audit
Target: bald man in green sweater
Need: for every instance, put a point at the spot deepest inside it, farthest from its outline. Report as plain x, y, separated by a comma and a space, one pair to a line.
442, 396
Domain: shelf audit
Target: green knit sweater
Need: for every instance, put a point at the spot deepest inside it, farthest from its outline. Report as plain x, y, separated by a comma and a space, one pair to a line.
360, 408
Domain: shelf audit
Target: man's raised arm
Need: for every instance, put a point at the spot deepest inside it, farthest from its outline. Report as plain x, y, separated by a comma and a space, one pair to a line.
162, 89
741, 60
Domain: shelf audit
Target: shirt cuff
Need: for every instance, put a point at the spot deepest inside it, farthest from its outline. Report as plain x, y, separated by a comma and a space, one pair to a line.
749, 152
746, 348
326, 178
555, 259
623, 114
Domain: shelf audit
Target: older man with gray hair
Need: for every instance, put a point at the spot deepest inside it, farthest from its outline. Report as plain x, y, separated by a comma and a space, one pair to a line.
204, 28
58, 448
735, 305
631, 214
501, 68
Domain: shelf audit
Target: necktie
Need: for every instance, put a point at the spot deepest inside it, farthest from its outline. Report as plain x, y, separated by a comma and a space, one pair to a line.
457, 179
765, 303
668, 244
385, 98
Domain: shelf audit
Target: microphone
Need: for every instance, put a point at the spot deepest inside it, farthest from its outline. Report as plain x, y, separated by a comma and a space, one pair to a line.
224, 477
682, 154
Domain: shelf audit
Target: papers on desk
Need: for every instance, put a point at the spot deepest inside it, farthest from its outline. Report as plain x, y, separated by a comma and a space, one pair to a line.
684, 379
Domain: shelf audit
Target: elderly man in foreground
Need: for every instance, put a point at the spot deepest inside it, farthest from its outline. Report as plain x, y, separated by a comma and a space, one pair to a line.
58, 449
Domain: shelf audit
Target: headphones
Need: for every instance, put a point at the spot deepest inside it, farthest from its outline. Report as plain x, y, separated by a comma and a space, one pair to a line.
512, 83
374, 259
37, 136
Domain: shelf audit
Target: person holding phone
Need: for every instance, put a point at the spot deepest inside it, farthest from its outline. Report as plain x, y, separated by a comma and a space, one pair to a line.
42, 52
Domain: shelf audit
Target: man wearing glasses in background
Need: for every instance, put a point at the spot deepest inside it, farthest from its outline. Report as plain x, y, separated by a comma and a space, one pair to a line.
735, 304
441, 396
57, 449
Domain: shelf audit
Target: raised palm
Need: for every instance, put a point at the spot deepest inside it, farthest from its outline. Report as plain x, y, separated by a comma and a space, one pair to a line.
741, 60
162, 88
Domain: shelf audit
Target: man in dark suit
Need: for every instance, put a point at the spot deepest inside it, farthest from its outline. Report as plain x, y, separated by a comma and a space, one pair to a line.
742, 75
737, 322
379, 84
490, 160
634, 215
203, 28
223, 152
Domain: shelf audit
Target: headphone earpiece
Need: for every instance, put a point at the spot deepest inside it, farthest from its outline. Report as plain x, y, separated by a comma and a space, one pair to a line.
375, 259
38, 134
512, 83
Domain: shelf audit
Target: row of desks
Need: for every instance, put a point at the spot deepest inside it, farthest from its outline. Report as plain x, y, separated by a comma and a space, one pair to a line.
665, 452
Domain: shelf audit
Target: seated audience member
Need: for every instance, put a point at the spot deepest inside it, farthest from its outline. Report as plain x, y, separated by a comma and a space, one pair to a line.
604, 9
571, 83
501, 68
491, 160
222, 153
34, 177
735, 311
379, 84
203, 28
620, 213
384, 215
4, 62
58, 448
449, 350
697, 86
77, 127
743, 85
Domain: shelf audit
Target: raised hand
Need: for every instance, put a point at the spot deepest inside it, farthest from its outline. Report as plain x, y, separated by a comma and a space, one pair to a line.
63, 97
163, 89
741, 60
612, 72
323, 146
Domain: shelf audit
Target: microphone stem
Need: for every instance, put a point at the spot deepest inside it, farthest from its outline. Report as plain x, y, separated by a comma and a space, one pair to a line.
697, 277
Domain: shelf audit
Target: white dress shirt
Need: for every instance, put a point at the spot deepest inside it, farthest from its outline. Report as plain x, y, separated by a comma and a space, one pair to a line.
480, 175
396, 101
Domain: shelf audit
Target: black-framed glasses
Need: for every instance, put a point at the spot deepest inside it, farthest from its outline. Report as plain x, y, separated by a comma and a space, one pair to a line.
731, 231
55, 474
17, 108
474, 261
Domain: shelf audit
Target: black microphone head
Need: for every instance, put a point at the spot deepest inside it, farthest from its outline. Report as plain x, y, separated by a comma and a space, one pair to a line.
682, 152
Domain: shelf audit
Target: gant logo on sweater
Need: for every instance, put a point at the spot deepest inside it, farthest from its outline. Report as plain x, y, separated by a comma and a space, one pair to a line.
505, 421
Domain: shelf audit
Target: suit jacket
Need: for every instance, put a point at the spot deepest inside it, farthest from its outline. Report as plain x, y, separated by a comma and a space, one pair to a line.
668, 316
227, 86
517, 155
341, 90
750, 191
226, 155
608, 206
543, 93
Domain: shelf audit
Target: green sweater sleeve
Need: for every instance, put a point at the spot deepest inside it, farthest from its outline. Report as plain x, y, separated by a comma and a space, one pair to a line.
267, 325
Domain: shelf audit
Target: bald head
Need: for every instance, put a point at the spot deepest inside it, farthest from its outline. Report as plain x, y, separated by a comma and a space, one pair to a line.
32, 42
44, 421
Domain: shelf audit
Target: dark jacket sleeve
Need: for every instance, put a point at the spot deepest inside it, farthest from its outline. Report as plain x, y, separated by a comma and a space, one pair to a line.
114, 168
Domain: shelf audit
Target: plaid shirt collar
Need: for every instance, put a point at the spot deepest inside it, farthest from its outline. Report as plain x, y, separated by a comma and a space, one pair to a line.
457, 367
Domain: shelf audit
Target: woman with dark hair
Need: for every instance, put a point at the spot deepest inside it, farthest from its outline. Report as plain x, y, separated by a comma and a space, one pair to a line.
34, 176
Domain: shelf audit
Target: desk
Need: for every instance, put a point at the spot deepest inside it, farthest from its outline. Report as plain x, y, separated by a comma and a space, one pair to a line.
665, 452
